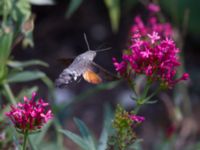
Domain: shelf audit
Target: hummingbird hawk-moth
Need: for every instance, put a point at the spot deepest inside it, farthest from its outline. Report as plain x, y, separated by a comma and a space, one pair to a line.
83, 65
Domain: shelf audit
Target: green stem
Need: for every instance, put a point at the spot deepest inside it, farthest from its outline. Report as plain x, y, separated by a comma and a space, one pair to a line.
146, 89
59, 136
9, 93
144, 99
153, 94
25, 139
137, 108
132, 86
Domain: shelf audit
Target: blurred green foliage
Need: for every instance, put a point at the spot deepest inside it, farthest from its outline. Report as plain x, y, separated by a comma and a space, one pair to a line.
73, 6
113, 6
124, 135
178, 11
87, 141
16, 26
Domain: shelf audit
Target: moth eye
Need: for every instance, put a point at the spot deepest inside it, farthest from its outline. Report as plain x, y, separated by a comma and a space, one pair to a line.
71, 75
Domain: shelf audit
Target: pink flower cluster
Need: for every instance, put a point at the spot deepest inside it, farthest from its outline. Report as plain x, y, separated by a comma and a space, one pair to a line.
164, 29
137, 119
30, 115
153, 56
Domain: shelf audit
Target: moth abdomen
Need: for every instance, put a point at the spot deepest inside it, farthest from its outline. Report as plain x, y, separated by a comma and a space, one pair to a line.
66, 77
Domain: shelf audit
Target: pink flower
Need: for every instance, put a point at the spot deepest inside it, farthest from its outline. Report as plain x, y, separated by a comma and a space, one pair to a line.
185, 76
137, 119
120, 67
30, 115
154, 37
153, 56
153, 7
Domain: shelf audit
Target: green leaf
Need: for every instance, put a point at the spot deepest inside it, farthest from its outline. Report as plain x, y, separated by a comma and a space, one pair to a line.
24, 8
3, 71
42, 2
108, 116
5, 49
48, 146
73, 6
5, 8
152, 102
86, 134
59, 137
113, 7
75, 138
5, 46
20, 64
49, 83
176, 10
25, 76
137, 145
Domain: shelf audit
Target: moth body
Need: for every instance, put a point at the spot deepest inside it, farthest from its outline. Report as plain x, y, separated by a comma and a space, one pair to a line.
79, 66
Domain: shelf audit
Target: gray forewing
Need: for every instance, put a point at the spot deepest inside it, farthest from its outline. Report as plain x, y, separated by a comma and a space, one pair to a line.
76, 69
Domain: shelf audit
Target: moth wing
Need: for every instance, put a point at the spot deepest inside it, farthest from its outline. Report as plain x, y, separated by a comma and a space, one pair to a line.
102, 73
65, 61
72, 72
92, 77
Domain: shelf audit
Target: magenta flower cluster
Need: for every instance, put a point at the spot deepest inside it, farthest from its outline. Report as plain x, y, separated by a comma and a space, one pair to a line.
153, 56
164, 29
30, 115
152, 23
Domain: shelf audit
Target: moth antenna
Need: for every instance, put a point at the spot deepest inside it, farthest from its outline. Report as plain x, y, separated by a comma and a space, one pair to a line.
88, 46
86, 41
105, 49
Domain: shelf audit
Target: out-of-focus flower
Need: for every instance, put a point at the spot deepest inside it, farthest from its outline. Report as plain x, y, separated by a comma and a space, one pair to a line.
153, 7
137, 119
170, 131
153, 56
124, 132
2, 136
30, 115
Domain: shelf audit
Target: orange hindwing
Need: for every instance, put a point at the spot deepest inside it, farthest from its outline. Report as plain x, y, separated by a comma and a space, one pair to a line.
92, 77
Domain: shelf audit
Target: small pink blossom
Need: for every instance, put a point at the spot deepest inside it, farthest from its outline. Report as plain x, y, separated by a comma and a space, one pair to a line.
153, 8
153, 37
137, 119
120, 67
185, 76
30, 115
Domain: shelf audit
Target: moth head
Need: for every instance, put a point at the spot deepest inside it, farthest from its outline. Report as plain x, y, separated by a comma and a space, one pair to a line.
89, 55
